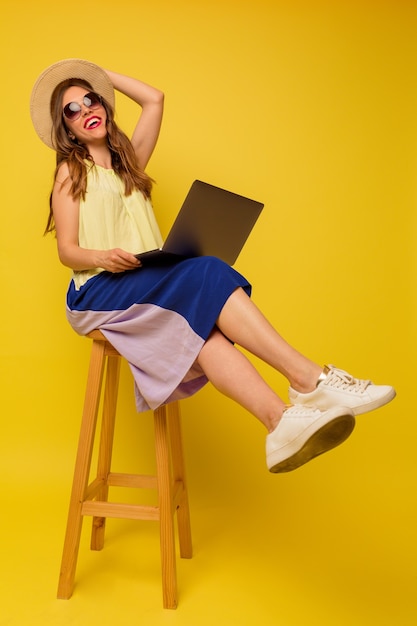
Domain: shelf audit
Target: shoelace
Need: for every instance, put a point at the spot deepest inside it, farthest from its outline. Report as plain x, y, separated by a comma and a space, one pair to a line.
342, 380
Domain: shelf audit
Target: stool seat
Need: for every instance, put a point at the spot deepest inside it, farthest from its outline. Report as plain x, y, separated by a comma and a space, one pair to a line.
90, 496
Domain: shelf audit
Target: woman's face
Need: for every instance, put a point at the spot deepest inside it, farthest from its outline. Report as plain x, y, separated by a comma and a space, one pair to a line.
89, 117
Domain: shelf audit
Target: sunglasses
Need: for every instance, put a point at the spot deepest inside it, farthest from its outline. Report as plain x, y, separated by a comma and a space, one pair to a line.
91, 100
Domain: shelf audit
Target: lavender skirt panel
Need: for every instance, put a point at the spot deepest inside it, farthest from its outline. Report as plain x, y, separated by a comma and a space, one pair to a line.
163, 370
158, 318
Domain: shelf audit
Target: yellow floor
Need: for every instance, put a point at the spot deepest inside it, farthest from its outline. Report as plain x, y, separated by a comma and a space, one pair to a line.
236, 577
252, 565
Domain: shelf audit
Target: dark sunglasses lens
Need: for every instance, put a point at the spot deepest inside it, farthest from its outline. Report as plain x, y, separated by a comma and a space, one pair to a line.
72, 110
92, 100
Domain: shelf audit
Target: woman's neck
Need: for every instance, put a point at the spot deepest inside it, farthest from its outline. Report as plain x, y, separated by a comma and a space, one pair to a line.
101, 156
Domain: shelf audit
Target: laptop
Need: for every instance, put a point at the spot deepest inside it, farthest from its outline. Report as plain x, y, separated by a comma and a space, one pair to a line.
211, 222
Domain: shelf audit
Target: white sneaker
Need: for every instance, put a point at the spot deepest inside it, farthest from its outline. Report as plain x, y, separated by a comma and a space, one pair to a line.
338, 388
303, 433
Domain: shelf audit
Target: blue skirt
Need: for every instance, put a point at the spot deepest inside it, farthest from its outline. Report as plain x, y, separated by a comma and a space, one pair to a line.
158, 318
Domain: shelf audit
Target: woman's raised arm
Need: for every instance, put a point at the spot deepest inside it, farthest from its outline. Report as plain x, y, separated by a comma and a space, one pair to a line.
151, 100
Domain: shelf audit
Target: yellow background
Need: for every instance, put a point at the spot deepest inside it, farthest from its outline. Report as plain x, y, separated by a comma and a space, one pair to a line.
311, 108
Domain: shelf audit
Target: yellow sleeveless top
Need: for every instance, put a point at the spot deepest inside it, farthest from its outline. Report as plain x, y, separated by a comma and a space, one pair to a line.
109, 219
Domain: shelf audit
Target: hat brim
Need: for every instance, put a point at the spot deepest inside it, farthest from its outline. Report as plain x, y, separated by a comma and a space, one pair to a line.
40, 101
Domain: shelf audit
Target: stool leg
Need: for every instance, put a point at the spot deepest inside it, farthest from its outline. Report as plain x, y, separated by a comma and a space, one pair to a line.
82, 471
178, 468
106, 446
166, 512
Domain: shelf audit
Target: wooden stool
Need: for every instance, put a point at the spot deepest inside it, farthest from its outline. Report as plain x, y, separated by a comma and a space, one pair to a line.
90, 497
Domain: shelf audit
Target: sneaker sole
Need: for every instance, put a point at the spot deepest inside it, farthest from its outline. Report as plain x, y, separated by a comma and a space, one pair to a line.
326, 438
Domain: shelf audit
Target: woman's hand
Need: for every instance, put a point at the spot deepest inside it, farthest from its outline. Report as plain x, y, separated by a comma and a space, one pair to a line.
117, 260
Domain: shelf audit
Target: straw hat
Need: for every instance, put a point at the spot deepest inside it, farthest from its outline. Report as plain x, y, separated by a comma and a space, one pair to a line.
40, 101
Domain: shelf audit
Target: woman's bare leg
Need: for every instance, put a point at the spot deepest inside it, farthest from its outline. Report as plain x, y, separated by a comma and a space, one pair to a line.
290, 442
234, 375
244, 324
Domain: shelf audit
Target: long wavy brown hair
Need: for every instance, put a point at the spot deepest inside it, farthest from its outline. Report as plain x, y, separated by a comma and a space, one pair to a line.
76, 154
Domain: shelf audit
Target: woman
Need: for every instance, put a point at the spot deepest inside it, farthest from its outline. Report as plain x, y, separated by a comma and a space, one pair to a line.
178, 324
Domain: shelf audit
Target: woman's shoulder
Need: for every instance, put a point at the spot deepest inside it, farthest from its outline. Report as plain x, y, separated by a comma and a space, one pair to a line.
62, 172
63, 169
